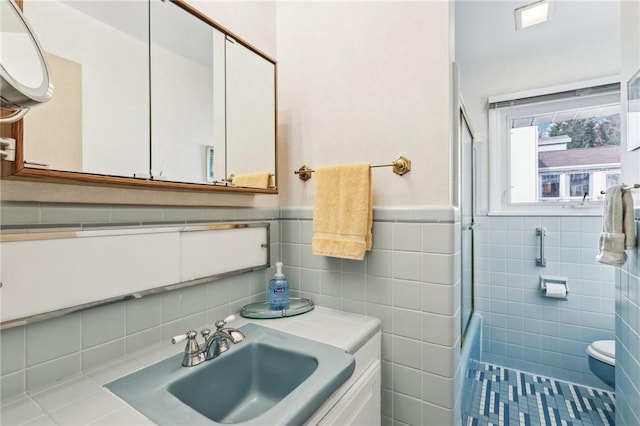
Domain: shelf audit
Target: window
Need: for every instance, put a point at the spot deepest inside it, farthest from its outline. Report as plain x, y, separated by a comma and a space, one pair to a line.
612, 179
579, 184
549, 186
554, 150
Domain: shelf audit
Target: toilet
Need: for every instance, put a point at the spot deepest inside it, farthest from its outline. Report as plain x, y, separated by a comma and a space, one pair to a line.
602, 360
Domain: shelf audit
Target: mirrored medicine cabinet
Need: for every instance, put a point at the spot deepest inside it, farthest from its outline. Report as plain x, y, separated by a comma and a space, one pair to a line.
150, 94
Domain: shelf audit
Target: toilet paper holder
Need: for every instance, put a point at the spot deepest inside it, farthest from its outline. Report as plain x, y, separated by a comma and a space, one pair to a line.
554, 287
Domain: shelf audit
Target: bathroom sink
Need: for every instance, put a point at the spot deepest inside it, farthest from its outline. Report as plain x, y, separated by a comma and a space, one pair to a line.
270, 378
253, 380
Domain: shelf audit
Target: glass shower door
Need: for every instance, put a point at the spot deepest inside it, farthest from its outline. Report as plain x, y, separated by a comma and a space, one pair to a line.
467, 218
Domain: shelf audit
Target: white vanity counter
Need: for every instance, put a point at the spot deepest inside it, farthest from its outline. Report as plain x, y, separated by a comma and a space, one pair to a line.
81, 399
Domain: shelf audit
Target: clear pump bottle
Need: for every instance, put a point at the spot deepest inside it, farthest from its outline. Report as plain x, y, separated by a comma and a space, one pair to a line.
278, 290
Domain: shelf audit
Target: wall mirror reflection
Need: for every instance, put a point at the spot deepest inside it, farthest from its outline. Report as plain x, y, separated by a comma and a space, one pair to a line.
250, 115
187, 102
153, 92
25, 80
98, 121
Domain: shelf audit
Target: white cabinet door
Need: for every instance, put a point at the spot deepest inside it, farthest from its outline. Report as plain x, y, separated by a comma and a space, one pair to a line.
361, 404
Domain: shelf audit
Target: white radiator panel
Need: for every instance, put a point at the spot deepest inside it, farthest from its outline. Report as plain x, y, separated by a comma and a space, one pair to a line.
206, 253
45, 275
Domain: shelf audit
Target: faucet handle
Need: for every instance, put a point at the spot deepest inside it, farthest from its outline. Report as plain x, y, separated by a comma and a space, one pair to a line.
221, 323
191, 334
193, 355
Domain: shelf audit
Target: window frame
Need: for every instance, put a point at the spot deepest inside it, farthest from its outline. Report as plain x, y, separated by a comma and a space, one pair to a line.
499, 119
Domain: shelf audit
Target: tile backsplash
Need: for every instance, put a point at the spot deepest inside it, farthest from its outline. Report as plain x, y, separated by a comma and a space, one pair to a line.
409, 280
22, 216
43, 352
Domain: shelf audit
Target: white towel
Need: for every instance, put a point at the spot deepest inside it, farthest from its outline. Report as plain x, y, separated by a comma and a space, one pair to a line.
618, 230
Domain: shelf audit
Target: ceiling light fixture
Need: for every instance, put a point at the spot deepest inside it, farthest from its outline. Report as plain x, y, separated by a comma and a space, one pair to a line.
533, 14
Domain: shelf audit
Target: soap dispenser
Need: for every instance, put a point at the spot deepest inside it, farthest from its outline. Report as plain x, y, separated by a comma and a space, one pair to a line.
278, 290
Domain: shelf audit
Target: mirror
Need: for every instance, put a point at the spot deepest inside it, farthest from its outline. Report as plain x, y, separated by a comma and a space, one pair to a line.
99, 120
151, 90
250, 111
187, 102
24, 75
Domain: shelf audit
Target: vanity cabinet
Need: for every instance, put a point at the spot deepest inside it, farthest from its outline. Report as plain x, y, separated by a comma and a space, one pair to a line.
147, 94
358, 400
361, 404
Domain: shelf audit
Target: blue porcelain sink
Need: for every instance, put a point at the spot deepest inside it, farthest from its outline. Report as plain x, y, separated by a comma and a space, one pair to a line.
270, 378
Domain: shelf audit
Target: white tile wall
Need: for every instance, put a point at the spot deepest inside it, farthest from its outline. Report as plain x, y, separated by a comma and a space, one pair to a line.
43, 352
409, 280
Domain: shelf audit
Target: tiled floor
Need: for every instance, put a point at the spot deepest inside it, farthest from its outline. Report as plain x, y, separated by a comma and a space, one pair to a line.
510, 397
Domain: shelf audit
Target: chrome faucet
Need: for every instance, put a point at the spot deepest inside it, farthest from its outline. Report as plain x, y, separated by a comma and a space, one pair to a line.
213, 345
193, 354
218, 343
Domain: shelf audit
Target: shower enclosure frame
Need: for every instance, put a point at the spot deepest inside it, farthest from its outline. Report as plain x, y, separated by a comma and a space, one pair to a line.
466, 152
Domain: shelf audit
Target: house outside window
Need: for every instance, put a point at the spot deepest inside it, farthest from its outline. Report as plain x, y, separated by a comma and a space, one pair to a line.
552, 151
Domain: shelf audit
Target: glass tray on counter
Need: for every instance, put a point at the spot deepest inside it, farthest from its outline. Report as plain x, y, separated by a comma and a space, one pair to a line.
261, 310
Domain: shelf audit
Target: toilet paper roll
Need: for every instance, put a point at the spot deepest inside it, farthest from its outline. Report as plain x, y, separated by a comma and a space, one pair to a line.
558, 291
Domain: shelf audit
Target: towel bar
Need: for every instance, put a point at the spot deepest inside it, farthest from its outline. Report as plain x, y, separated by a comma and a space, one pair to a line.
627, 188
401, 166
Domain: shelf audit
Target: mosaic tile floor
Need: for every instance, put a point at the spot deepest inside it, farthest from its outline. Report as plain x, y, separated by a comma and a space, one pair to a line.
509, 397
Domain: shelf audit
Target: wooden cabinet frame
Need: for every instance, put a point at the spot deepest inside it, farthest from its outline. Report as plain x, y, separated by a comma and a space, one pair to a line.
15, 170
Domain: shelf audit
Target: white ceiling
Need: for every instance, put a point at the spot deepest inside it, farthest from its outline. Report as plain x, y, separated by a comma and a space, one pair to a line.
486, 29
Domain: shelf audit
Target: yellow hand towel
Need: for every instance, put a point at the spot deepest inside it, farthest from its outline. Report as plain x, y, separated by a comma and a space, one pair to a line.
342, 211
254, 180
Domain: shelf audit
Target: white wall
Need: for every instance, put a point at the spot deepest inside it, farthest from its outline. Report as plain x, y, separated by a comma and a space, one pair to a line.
366, 82
253, 21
